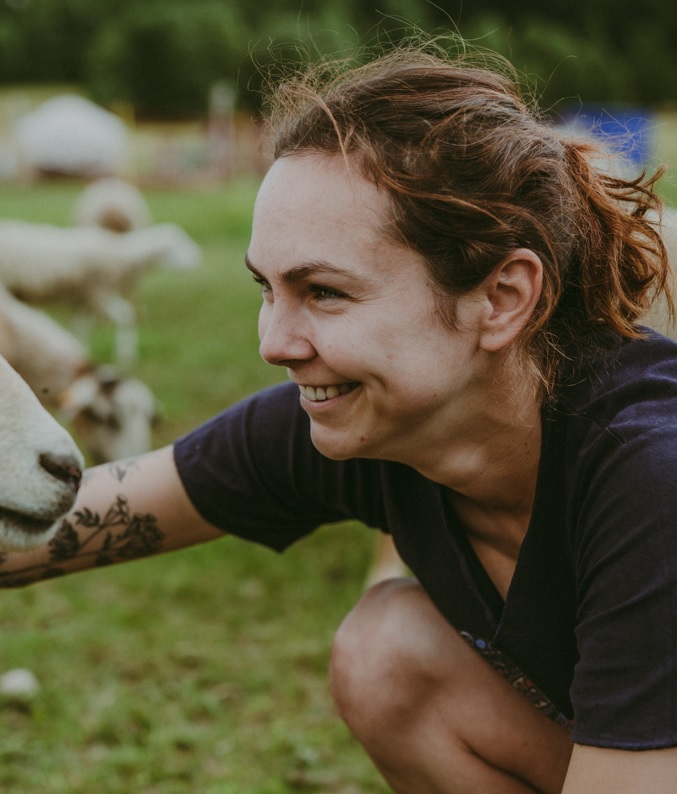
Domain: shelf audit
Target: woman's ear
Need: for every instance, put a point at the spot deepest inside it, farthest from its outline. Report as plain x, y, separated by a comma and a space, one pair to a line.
511, 293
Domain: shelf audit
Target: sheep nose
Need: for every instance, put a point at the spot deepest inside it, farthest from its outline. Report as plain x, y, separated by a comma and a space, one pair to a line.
65, 468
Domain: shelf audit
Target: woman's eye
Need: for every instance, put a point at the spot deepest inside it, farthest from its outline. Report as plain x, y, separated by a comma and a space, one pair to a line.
325, 293
265, 286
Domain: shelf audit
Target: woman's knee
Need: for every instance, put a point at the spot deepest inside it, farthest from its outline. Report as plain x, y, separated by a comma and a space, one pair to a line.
386, 654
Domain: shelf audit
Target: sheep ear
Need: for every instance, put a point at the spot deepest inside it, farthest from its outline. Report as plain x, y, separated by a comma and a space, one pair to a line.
78, 396
160, 415
108, 377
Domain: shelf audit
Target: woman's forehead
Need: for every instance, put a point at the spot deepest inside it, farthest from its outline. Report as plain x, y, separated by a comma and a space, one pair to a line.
313, 209
316, 197
325, 182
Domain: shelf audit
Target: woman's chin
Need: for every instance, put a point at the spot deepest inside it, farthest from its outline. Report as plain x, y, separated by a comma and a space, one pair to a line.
333, 445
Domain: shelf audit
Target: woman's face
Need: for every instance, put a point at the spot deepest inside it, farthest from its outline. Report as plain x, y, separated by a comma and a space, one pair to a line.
353, 317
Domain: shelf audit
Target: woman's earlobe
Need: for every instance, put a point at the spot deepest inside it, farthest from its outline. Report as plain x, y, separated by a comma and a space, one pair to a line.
511, 292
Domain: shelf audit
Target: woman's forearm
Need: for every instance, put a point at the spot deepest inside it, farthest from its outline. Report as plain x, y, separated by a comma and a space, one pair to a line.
125, 510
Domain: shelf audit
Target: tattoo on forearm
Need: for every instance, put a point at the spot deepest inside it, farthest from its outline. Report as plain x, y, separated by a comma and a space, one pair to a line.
119, 468
114, 537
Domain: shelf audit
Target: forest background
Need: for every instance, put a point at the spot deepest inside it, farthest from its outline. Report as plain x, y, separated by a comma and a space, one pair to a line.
162, 56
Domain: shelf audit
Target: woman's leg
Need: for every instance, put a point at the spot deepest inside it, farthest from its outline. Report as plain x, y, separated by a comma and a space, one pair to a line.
432, 714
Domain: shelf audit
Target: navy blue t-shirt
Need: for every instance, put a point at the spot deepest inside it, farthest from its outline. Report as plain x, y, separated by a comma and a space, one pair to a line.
591, 612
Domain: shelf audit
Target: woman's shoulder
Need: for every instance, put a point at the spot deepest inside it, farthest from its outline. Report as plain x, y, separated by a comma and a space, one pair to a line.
625, 382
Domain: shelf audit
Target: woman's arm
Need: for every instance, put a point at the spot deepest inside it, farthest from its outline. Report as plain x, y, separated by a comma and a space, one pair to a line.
125, 510
596, 770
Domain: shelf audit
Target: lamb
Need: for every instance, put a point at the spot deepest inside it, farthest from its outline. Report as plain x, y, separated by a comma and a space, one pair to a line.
42, 469
112, 416
113, 204
90, 267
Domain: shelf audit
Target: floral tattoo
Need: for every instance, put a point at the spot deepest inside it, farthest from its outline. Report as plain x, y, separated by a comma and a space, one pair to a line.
119, 469
121, 536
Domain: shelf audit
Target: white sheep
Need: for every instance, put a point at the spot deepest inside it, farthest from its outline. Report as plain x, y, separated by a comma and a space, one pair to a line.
68, 134
42, 466
113, 204
90, 267
112, 416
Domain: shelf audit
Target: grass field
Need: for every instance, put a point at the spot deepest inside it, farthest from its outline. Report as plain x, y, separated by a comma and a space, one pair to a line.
205, 670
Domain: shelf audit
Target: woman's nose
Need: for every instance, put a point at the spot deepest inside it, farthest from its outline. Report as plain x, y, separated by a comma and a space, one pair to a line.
282, 338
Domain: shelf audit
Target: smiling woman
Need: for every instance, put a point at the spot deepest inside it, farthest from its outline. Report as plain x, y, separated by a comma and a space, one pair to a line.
454, 292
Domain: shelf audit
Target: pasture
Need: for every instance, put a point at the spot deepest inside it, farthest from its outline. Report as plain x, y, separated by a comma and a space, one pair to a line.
204, 670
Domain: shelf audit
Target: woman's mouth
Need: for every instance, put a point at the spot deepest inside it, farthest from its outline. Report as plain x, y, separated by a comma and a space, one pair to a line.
321, 393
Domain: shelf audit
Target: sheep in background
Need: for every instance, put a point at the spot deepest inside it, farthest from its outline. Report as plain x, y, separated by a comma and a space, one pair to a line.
41, 468
113, 204
112, 416
69, 135
92, 268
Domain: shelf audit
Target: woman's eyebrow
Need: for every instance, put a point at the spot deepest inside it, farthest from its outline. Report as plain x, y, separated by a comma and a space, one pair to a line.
305, 271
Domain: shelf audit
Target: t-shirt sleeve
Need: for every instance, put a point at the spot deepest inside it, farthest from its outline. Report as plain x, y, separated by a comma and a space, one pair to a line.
252, 471
624, 690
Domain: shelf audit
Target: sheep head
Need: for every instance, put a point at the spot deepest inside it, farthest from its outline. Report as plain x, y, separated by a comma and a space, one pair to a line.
112, 415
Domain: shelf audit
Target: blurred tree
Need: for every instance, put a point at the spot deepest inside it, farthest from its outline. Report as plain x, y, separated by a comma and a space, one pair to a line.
50, 38
560, 64
162, 56
11, 52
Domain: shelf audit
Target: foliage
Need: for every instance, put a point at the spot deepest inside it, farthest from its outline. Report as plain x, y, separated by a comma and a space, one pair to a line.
568, 63
47, 40
562, 65
163, 57
164, 61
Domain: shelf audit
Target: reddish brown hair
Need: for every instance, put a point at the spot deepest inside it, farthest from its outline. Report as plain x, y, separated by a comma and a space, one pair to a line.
473, 173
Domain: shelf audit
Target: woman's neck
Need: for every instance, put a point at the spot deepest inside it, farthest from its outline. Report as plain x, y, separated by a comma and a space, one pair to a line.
492, 457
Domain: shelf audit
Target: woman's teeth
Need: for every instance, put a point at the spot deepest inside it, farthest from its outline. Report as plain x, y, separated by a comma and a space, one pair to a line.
321, 393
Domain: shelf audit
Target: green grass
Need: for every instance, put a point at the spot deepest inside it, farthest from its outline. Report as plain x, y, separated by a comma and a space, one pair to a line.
203, 670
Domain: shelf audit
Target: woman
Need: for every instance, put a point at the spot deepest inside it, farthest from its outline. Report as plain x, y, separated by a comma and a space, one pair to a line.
454, 292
